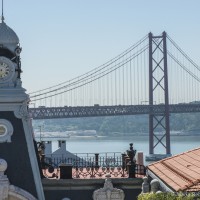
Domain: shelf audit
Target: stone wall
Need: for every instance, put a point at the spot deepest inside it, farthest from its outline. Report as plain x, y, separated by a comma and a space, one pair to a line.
82, 189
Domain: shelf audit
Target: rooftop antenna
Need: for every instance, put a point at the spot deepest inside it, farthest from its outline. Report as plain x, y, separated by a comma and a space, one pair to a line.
2, 17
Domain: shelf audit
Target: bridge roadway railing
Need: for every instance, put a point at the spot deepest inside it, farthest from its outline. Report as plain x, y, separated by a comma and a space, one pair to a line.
95, 111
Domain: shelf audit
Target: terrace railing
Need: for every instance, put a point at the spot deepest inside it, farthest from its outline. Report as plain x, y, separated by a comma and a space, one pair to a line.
91, 166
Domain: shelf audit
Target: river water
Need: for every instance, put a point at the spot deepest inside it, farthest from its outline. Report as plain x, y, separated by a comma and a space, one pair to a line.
91, 144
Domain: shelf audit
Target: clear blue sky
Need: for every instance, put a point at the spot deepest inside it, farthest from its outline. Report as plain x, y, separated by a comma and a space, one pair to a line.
63, 39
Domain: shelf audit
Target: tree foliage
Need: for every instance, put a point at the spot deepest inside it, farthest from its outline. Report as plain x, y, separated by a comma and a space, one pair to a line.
124, 125
167, 196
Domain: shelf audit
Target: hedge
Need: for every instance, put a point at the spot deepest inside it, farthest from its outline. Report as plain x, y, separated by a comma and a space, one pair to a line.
167, 196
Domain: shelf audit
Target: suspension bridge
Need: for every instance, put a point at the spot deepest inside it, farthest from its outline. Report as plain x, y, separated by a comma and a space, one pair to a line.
154, 76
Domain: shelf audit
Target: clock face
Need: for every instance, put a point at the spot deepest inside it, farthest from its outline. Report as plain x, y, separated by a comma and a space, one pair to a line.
7, 69
4, 69
6, 130
3, 130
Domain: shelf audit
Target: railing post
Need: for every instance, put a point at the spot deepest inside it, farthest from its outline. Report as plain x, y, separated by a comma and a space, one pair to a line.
96, 159
123, 163
42, 158
77, 171
65, 171
92, 170
123, 160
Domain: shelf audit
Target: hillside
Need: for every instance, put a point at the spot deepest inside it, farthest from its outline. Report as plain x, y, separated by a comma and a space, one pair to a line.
117, 125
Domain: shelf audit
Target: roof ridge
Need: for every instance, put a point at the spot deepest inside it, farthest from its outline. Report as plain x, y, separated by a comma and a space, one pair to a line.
171, 157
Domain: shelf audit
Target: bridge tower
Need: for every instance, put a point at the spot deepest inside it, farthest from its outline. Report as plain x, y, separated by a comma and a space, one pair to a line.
159, 128
17, 150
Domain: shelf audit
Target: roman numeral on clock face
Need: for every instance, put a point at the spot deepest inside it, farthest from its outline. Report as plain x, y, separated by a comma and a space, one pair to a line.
4, 70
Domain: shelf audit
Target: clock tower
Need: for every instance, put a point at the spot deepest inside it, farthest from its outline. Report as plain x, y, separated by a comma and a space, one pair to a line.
16, 134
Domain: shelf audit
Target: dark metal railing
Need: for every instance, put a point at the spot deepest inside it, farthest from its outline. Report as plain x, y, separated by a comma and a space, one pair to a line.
108, 158
96, 166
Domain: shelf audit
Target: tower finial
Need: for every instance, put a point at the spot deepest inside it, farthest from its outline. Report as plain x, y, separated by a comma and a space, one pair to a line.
2, 17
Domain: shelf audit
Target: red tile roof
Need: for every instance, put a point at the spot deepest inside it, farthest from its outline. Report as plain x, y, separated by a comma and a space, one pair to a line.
180, 172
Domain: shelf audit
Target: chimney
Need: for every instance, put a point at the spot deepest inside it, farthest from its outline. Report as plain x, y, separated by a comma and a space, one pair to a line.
140, 158
48, 147
62, 145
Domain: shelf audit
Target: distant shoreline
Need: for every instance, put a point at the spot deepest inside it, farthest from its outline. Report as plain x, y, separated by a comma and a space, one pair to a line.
101, 137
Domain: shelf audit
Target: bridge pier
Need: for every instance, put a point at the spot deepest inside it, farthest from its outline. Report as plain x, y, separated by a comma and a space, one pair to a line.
159, 127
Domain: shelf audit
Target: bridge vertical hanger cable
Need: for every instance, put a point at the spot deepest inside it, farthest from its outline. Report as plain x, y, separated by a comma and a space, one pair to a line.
108, 89
111, 89
131, 96
94, 92
119, 85
173, 75
85, 93
130, 81
2, 14
115, 85
123, 83
101, 83
99, 91
176, 71
169, 79
145, 76
187, 80
141, 80
134, 84
127, 84
74, 97
138, 89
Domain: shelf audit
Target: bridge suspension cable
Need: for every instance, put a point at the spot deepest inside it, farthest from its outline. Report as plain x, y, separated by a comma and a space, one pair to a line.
184, 75
89, 79
123, 80
99, 68
122, 62
179, 62
183, 53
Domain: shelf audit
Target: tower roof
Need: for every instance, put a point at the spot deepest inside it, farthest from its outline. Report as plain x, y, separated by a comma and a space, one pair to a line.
7, 35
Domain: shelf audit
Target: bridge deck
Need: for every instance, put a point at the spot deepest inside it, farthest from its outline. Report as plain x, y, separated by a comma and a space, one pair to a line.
95, 111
